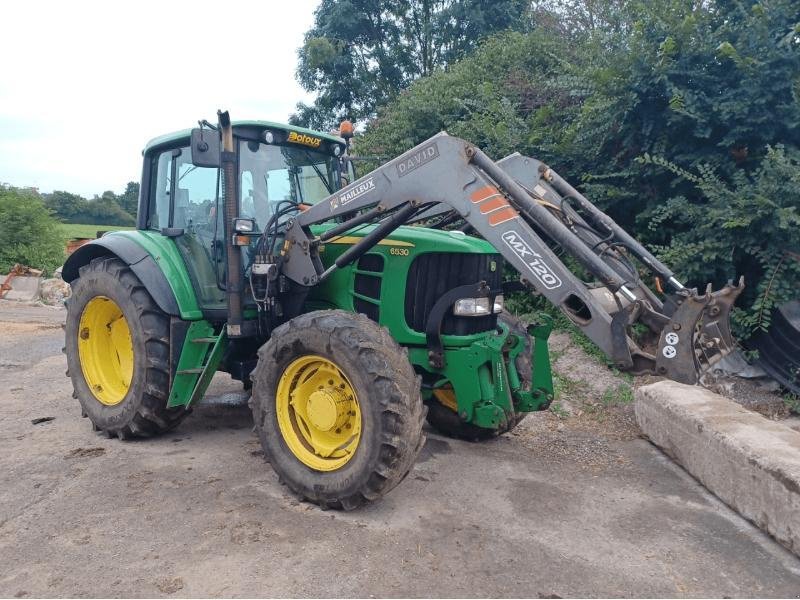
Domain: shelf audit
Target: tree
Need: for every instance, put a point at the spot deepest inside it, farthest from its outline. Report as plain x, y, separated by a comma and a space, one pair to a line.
500, 97
106, 210
65, 205
129, 200
360, 53
103, 210
29, 235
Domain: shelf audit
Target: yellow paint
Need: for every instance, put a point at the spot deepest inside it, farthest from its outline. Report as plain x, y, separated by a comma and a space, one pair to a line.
447, 397
318, 413
352, 239
105, 349
305, 139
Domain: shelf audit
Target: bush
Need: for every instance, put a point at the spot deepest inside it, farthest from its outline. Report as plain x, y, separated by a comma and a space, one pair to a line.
682, 121
748, 225
29, 235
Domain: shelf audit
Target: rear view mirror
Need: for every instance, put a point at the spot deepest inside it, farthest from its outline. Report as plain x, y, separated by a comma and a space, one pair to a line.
205, 148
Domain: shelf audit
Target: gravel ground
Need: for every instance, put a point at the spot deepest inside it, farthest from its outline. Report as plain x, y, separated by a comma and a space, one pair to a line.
567, 505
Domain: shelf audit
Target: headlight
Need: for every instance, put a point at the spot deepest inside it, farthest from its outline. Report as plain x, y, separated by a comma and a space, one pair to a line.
498, 304
477, 307
243, 225
471, 307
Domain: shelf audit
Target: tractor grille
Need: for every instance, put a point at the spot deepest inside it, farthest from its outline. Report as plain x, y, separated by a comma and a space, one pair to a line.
432, 275
368, 286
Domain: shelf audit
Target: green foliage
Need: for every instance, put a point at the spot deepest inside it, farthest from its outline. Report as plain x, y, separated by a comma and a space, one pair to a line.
29, 235
748, 226
614, 396
360, 53
500, 98
108, 209
558, 410
679, 118
129, 199
792, 402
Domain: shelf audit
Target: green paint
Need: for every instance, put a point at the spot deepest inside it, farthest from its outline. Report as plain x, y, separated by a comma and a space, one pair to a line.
480, 367
212, 364
199, 360
542, 378
338, 290
168, 258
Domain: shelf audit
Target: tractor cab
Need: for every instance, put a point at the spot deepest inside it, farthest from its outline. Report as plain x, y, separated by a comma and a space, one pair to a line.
277, 169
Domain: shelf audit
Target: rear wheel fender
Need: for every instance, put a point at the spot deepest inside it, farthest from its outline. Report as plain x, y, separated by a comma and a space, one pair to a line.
133, 255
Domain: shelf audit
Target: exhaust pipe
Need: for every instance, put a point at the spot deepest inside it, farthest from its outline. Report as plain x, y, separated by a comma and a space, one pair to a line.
233, 279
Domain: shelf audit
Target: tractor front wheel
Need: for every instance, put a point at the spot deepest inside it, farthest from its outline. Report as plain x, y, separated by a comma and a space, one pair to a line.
337, 407
117, 346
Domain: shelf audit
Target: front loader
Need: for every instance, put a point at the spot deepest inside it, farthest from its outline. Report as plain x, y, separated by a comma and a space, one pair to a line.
257, 252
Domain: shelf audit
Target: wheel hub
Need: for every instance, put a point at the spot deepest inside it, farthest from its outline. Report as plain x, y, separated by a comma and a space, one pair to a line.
328, 409
318, 413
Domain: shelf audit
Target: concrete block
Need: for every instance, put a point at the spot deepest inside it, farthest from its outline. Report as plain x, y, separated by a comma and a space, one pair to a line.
749, 462
23, 288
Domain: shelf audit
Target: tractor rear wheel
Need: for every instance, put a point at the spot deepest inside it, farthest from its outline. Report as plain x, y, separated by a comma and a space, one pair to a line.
337, 407
117, 346
444, 418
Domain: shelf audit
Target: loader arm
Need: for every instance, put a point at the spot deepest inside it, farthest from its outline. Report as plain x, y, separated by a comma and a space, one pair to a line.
498, 202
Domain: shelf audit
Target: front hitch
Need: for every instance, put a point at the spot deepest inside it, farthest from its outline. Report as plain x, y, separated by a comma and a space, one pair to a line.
542, 375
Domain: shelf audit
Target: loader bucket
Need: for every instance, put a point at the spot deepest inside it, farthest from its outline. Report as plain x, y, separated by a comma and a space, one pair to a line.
698, 334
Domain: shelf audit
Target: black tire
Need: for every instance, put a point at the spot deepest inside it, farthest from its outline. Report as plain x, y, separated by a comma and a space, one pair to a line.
388, 393
446, 421
143, 411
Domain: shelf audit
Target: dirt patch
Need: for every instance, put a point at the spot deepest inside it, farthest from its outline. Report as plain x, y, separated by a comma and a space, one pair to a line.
19, 328
566, 440
85, 453
592, 396
169, 585
761, 395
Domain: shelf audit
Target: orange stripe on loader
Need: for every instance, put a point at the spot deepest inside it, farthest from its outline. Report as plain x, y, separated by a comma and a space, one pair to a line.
493, 204
501, 216
483, 193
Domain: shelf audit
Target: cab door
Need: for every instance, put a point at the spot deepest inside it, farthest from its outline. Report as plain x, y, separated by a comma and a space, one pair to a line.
185, 205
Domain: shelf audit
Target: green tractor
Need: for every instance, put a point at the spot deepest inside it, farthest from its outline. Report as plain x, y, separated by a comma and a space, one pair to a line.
258, 253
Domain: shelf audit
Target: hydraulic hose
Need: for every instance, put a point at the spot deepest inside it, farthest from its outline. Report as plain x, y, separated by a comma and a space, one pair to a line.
553, 226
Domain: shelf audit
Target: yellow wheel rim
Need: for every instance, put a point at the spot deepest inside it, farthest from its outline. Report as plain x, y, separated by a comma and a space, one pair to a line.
105, 350
318, 413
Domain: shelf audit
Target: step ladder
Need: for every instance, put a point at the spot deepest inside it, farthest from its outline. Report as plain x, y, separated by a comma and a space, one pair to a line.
199, 359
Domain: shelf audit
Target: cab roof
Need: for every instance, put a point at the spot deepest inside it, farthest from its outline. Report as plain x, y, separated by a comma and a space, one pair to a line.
186, 133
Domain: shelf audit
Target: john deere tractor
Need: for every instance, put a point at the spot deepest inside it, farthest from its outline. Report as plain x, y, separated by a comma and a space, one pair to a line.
356, 307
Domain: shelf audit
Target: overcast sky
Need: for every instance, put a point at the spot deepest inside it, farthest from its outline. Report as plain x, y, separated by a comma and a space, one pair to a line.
84, 85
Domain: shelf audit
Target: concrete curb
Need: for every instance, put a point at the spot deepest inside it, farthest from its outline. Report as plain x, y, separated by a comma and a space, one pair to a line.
750, 463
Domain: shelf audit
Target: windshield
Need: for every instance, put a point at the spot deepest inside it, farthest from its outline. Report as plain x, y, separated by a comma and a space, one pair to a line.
271, 174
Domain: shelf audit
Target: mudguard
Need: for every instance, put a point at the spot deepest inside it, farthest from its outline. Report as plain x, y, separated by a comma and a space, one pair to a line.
130, 249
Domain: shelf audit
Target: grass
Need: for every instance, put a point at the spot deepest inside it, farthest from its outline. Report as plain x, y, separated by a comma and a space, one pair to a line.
792, 402
73, 230
622, 394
